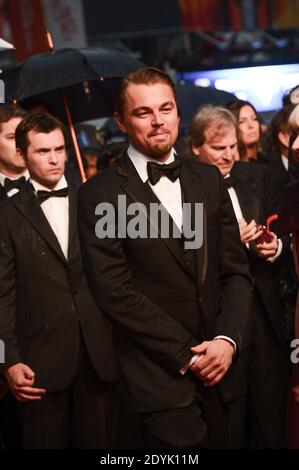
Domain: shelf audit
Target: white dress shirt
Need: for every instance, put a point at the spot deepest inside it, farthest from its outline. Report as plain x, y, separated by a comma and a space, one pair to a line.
56, 210
13, 190
285, 162
167, 191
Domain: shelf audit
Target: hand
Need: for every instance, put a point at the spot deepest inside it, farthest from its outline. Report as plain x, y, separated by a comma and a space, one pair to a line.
20, 379
295, 391
215, 358
248, 232
267, 249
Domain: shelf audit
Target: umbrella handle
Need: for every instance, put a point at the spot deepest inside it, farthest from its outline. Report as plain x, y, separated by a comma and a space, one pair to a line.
74, 139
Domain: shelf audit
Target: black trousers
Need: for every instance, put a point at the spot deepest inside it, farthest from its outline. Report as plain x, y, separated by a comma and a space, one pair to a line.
258, 419
201, 424
79, 417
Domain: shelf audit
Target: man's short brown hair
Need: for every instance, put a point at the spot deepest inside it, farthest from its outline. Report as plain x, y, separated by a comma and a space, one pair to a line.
39, 123
142, 76
10, 111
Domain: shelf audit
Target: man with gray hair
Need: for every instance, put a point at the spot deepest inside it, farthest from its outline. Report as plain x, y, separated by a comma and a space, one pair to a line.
213, 139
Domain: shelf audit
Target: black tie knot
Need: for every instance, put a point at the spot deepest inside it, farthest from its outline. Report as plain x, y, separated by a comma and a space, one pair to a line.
14, 184
44, 195
156, 170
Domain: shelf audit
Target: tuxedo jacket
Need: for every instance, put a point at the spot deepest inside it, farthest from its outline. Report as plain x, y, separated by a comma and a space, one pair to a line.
44, 298
161, 298
257, 201
3, 195
278, 174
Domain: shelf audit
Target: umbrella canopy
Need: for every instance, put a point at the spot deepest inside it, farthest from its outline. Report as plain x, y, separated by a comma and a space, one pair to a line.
86, 77
191, 98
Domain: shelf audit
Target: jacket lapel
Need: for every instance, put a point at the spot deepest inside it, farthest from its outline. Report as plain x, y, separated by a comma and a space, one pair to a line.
193, 193
72, 218
139, 192
248, 199
28, 205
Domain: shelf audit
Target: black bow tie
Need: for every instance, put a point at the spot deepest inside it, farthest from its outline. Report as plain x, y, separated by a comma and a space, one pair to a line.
44, 195
14, 184
229, 181
156, 170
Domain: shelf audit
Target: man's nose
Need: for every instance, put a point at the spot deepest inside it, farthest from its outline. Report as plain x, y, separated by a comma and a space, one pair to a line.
157, 119
53, 158
228, 154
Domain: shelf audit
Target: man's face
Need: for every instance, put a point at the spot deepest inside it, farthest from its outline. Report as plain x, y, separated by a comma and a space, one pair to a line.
220, 148
46, 157
150, 119
10, 162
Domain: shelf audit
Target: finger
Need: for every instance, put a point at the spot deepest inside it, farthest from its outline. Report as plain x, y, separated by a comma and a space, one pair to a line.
23, 397
30, 390
215, 381
200, 348
207, 371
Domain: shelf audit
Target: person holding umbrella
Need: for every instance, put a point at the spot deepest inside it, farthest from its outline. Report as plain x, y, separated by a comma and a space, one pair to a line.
59, 360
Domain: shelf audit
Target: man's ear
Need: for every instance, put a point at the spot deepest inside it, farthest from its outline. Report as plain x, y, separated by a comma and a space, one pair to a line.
119, 121
21, 156
284, 138
195, 149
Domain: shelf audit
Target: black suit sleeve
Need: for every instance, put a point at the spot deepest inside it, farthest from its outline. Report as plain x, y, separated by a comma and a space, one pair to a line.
7, 297
109, 277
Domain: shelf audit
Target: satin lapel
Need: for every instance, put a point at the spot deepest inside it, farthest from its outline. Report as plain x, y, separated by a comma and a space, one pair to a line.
138, 192
72, 218
28, 205
193, 193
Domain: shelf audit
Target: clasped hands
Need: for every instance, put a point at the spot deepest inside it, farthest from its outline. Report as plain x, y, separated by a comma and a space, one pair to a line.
214, 360
249, 233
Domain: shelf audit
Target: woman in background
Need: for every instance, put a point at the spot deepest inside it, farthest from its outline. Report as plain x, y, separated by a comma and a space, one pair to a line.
249, 129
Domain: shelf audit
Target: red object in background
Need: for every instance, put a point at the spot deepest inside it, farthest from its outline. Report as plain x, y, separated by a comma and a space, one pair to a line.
262, 9
28, 27
266, 236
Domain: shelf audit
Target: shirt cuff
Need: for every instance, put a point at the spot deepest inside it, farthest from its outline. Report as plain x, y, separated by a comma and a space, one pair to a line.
231, 341
188, 364
277, 254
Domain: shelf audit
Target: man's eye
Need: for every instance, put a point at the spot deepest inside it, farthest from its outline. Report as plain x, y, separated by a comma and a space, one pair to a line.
166, 110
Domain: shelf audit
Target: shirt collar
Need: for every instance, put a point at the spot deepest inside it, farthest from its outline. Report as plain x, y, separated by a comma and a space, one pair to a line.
37, 186
285, 162
140, 160
3, 177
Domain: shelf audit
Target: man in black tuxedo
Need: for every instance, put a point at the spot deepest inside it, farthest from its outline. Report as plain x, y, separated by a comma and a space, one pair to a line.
59, 359
13, 173
214, 140
177, 310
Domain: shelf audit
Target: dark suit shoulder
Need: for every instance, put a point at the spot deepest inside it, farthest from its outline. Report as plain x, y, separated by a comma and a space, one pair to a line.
205, 169
249, 170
